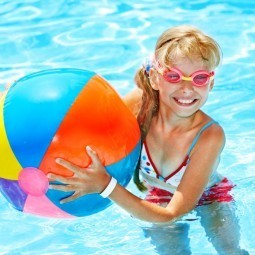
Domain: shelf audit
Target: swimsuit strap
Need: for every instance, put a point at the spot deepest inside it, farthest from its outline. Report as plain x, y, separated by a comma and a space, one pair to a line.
199, 133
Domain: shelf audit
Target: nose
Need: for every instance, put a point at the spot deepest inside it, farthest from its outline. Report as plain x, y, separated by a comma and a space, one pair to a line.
187, 87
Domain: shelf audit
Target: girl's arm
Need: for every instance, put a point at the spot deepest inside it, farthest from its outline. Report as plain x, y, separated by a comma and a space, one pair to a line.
94, 179
204, 159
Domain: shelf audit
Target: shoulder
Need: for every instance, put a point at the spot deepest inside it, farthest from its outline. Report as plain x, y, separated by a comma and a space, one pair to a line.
212, 139
214, 133
133, 100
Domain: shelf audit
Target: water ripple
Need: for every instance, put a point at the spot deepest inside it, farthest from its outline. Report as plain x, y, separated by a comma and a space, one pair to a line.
112, 38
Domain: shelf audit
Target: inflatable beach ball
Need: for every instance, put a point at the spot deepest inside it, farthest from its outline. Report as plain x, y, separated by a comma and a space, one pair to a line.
57, 113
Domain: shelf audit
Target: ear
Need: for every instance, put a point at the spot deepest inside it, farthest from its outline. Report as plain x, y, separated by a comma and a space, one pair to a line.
211, 84
154, 78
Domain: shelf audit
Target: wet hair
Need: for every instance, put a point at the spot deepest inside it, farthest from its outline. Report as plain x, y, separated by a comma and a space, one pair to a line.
175, 43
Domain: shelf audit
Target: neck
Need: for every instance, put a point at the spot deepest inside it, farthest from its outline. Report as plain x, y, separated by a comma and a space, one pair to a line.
168, 121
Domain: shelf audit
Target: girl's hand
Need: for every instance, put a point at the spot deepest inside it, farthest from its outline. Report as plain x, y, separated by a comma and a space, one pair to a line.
93, 179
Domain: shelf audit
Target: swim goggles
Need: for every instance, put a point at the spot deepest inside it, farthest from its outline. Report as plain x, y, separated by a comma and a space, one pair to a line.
173, 75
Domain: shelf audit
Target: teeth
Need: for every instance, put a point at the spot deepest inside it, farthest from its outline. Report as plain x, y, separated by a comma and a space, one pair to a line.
185, 101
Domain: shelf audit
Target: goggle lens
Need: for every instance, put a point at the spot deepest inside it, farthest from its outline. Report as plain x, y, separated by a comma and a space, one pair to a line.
201, 79
172, 76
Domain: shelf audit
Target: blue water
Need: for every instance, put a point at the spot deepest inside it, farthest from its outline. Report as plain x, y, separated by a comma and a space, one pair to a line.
112, 38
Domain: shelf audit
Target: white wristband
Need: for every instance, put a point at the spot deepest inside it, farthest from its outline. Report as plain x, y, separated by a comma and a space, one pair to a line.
109, 189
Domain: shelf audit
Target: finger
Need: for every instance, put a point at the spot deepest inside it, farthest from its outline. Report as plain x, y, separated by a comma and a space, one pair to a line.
70, 198
70, 166
59, 178
93, 155
62, 187
64, 180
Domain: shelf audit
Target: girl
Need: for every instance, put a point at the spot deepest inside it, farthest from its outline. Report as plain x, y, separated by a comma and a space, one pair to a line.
181, 144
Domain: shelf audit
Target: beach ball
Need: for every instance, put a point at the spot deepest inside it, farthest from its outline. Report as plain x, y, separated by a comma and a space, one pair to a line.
57, 113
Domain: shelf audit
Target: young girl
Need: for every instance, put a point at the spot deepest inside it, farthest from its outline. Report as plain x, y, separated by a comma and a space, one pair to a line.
181, 144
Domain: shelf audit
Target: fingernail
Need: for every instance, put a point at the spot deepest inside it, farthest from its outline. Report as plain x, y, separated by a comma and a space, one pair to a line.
88, 148
58, 160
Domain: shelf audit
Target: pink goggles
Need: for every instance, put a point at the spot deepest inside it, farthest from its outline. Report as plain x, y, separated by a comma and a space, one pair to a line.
173, 75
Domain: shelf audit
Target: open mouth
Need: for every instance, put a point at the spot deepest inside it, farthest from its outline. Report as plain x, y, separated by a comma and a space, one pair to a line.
184, 101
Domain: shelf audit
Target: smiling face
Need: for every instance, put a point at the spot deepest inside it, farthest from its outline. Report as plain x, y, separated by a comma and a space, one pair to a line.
182, 99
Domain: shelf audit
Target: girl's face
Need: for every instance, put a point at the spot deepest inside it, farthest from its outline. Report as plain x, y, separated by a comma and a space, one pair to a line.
182, 98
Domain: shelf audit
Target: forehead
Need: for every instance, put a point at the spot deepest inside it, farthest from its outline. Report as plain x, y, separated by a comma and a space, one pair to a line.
188, 65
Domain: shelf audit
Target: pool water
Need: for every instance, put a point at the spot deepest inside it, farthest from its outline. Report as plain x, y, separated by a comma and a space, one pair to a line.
112, 38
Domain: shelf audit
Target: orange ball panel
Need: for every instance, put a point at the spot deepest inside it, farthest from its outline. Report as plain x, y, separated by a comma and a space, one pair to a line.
92, 120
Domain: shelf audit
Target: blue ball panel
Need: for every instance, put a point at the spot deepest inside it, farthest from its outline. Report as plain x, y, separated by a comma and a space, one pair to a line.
44, 98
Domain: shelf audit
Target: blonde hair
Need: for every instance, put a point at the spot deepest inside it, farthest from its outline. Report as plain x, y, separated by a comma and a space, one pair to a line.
177, 42
187, 42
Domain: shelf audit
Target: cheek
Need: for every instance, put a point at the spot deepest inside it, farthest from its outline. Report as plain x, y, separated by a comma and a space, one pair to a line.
203, 91
165, 86
204, 94
207, 90
164, 94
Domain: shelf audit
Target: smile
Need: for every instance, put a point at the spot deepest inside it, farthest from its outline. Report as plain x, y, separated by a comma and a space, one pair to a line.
184, 101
